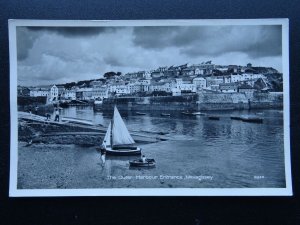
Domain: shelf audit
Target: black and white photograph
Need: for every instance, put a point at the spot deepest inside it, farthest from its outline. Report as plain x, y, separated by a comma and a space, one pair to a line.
149, 108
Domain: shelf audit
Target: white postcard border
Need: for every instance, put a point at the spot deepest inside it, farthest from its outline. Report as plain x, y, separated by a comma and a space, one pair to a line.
14, 192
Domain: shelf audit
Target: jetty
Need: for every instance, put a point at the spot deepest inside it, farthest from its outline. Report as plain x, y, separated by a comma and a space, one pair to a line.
78, 128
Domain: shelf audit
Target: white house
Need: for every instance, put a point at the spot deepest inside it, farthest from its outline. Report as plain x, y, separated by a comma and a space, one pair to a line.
70, 94
199, 82
160, 86
212, 81
227, 79
176, 92
114, 86
185, 85
135, 87
84, 93
245, 77
122, 89
53, 94
100, 92
38, 92
147, 75
199, 71
235, 78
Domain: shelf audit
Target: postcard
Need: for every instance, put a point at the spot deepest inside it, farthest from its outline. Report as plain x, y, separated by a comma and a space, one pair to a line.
149, 108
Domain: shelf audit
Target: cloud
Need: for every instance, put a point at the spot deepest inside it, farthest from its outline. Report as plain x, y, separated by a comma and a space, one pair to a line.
58, 55
74, 32
25, 41
256, 41
26, 36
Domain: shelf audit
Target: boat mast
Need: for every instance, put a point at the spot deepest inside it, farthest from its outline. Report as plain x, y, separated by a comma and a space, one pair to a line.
111, 128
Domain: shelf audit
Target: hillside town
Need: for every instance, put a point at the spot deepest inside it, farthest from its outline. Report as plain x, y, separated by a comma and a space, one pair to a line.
164, 81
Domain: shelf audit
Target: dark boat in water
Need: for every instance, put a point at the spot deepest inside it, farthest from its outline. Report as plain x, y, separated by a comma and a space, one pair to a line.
140, 163
235, 118
193, 113
117, 140
251, 119
214, 118
140, 113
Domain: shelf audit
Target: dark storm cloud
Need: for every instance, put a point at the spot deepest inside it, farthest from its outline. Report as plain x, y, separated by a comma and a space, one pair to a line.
270, 43
113, 61
48, 55
25, 42
75, 31
26, 36
162, 37
256, 41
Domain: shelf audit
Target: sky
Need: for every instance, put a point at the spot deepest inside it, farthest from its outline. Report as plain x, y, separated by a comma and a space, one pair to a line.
56, 55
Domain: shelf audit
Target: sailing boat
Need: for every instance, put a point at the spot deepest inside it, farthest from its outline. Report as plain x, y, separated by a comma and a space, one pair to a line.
117, 140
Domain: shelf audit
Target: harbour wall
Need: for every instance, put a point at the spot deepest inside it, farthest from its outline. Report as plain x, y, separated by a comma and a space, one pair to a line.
197, 102
26, 104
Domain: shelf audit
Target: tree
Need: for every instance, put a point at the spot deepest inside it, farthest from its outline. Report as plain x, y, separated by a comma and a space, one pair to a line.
68, 86
109, 75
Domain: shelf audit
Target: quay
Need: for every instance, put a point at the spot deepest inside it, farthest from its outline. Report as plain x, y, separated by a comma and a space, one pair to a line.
39, 129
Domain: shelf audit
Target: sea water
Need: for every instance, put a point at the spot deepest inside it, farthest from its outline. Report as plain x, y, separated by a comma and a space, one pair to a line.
199, 152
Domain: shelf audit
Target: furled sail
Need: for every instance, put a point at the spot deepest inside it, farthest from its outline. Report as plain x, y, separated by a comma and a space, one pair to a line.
106, 140
120, 133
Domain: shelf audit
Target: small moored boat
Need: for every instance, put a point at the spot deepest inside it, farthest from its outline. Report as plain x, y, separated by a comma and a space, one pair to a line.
235, 118
199, 113
140, 113
251, 119
165, 114
214, 118
193, 113
140, 163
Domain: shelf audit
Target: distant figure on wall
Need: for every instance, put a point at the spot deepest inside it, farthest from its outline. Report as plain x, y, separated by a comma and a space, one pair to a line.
36, 110
56, 115
48, 116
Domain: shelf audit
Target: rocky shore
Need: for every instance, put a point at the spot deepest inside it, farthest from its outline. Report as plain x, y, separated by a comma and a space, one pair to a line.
49, 133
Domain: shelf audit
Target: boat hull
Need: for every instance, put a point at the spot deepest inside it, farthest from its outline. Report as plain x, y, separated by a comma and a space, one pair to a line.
123, 151
252, 120
193, 113
249, 119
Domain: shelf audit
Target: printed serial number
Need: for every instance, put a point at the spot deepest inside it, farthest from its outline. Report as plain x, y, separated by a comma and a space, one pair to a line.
259, 177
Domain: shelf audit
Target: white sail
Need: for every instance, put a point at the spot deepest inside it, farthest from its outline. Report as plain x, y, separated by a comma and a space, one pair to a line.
120, 134
106, 140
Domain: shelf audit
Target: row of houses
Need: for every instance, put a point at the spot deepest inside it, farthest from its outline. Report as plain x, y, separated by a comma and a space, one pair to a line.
175, 86
184, 70
202, 69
